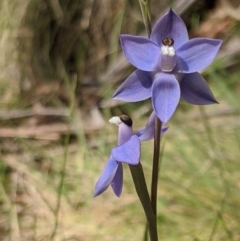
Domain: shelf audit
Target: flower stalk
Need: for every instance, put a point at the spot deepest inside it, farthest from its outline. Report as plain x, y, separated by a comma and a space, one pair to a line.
152, 222
155, 166
142, 191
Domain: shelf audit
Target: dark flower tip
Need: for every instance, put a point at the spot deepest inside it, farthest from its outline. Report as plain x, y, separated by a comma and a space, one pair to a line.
126, 120
168, 41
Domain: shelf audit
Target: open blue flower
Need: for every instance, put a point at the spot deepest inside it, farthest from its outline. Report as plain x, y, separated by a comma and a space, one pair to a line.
128, 151
167, 67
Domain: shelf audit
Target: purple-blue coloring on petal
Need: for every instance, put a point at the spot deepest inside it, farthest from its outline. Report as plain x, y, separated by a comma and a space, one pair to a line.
148, 132
195, 90
165, 96
196, 54
140, 52
171, 26
106, 177
117, 182
137, 87
128, 152
124, 133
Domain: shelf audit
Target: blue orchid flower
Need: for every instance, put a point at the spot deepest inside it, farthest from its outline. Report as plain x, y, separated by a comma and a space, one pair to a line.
167, 66
128, 151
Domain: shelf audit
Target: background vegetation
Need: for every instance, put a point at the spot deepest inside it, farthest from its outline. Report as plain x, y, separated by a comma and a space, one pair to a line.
60, 64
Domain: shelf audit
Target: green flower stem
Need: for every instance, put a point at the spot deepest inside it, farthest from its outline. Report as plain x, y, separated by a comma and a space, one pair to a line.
142, 191
155, 168
152, 220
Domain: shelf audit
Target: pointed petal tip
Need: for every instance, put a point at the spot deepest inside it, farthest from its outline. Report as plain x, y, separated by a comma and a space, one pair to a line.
99, 189
106, 177
164, 129
170, 11
195, 90
116, 97
117, 191
209, 102
214, 102
170, 25
118, 194
96, 193
117, 182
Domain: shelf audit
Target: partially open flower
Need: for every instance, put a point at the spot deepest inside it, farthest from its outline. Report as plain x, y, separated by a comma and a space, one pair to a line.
128, 151
167, 67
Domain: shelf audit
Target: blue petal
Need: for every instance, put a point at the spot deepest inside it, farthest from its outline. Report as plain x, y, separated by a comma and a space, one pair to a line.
148, 132
140, 52
195, 90
165, 96
164, 129
106, 177
145, 135
136, 87
196, 54
117, 182
128, 152
171, 26
139, 132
